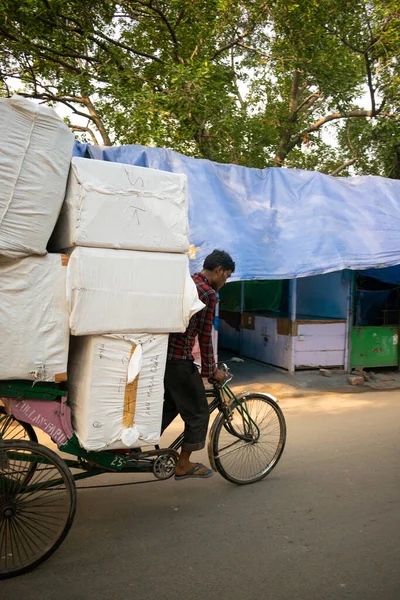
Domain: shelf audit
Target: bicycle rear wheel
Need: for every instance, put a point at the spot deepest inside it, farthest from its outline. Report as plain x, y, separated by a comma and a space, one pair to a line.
36, 509
246, 445
11, 429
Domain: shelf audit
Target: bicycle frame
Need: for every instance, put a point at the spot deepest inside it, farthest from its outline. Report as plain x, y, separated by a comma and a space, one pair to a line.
217, 393
52, 414
92, 463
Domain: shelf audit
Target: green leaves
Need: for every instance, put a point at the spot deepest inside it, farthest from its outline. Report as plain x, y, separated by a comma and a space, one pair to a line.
302, 83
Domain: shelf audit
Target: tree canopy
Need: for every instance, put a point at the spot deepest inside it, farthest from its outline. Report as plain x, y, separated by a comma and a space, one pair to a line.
312, 84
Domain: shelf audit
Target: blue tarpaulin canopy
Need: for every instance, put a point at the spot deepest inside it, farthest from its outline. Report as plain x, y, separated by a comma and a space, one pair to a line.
279, 223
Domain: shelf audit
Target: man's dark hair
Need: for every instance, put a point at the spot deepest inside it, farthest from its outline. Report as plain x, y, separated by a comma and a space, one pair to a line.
219, 258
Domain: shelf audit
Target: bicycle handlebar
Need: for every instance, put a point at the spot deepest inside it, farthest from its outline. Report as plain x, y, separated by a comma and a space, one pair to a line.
229, 376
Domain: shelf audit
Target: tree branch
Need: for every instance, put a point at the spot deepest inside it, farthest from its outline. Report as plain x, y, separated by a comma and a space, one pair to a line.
294, 95
124, 46
264, 55
287, 144
314, 106
335, 117
344, 166
230, 44
91, 115
343, 40
179, 17
349, 142
6, 87
25, 40
86, 130
259, 52
381, 107
370, 83
134, 13
284, 142
51, 98
367, 20
41, 54
98, 122
165, 20
235, 82
332, 117
308, 101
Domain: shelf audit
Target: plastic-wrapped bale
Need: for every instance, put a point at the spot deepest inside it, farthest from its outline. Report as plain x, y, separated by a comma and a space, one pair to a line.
34, 329
126, 291
35, 155
112, 205
116, 389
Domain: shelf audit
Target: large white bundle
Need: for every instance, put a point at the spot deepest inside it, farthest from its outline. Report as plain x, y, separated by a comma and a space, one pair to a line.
116, 389
125, 291
34, 330
35, 154
111, 205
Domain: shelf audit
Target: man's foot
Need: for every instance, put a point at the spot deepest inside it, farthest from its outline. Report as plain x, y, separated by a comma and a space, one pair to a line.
195, 471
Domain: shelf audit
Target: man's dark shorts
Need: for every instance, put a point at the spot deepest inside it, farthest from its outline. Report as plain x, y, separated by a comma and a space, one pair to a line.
185, 395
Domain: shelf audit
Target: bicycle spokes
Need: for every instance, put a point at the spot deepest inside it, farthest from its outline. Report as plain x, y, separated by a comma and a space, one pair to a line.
247, 440
244, 428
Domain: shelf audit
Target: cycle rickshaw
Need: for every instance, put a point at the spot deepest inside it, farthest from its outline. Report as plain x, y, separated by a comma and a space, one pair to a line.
37, 486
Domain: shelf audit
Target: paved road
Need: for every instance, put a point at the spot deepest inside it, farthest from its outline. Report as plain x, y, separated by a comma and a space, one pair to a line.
325, 525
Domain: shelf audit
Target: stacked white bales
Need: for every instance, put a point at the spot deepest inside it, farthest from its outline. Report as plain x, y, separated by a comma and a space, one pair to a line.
126, 228
35, 154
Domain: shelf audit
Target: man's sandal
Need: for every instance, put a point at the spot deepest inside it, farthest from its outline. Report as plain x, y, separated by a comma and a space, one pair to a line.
194, 474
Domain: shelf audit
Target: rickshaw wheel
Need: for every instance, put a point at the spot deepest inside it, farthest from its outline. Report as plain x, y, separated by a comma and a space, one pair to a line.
12, 429
36, 508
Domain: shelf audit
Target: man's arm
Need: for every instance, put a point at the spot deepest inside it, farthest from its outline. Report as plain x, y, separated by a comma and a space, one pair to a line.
208, 367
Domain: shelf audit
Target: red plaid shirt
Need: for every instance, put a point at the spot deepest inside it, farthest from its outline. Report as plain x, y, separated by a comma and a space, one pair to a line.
181, 344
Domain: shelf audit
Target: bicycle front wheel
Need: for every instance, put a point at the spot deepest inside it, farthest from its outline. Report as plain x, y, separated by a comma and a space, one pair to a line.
247, 443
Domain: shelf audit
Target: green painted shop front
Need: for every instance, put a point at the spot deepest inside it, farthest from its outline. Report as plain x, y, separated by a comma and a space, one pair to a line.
375, 346
374, 332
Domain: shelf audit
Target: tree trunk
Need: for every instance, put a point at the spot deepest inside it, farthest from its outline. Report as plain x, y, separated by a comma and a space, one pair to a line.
284, 143
97, 121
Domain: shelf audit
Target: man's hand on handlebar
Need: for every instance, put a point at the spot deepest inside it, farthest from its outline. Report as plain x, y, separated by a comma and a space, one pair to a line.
220, 376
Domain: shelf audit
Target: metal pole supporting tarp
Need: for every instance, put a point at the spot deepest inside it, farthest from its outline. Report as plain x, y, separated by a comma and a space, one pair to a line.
241, 318
349, 319
293, 316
